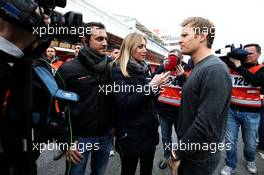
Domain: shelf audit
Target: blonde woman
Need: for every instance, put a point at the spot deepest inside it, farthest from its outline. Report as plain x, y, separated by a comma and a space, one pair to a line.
137, 123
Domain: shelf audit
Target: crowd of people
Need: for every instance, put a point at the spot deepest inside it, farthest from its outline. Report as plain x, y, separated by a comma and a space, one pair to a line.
206, 101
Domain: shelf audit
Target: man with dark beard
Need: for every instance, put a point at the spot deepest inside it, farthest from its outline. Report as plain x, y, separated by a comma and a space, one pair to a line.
91, 116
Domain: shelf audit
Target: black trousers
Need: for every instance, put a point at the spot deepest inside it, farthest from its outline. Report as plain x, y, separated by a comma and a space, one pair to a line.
129, 164
14, 161
198, 167
18, 164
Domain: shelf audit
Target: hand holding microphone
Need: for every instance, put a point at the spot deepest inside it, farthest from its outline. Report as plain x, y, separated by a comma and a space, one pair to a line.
179, 70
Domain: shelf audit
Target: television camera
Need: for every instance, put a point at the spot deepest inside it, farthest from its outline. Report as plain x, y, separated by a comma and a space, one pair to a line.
23, 14
231, 51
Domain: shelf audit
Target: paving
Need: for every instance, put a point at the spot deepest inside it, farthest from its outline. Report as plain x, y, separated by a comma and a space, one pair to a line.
47, 166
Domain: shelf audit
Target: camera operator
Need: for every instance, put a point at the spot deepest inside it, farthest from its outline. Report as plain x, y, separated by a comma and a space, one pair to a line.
248, 82
16, 51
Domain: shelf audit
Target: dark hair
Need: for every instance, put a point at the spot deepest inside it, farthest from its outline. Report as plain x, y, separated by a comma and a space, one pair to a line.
52, 48
258, 48
90, 25
80, 44
115, 46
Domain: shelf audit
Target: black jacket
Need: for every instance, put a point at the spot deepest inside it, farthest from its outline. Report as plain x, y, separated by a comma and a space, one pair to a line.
85, 75
17, 79
137, 123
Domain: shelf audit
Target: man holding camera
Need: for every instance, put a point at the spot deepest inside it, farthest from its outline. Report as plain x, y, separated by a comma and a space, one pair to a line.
91, 116
17, 50
248, 83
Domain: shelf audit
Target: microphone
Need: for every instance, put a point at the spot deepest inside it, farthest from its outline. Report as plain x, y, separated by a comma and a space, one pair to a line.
171, 62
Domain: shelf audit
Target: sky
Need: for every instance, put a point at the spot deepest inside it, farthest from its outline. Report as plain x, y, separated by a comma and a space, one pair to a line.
236, 21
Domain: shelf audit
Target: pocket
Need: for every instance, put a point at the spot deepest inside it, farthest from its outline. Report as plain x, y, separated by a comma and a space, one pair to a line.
83, 80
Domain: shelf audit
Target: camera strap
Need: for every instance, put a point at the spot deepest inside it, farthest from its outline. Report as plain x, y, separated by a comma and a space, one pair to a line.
50, 83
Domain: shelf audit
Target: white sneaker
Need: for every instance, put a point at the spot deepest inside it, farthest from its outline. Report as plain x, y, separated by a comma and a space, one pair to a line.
163, 164
261, 155
112, 153
251, 167
227, 170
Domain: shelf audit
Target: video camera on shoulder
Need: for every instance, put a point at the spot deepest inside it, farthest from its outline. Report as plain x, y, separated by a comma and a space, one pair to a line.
22, 13
231, 51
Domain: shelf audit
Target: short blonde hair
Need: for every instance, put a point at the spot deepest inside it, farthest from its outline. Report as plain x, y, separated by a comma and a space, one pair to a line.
203, 25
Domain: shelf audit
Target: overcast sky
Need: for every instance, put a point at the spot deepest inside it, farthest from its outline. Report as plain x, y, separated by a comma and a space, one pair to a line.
236, 21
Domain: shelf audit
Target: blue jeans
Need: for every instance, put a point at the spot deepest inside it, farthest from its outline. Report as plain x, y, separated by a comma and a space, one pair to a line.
166, 132
99, 154
249, 125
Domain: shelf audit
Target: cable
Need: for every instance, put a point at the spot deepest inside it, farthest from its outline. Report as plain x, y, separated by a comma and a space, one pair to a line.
69, 116
68, 110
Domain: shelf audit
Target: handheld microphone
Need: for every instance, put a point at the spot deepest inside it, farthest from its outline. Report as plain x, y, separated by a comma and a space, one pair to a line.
172, 61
